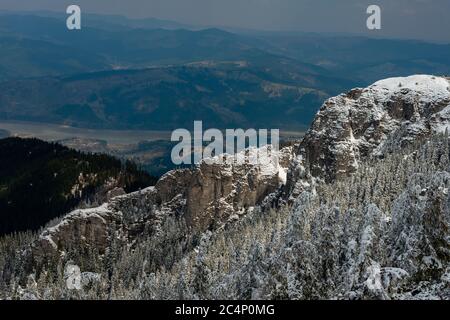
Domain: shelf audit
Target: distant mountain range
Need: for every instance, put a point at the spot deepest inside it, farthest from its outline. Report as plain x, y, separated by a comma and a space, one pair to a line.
42, 46
164, 98
151, 74
110, 22
124, 42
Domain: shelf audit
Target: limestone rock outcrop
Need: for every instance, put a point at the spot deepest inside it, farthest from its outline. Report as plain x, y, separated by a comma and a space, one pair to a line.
363, 123
205, 196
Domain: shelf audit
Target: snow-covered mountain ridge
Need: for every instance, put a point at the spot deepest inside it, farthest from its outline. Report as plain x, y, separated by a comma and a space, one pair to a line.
205, 197
347, 129
362, 212
370, 122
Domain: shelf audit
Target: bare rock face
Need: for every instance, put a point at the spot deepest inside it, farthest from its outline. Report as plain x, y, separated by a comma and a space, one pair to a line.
205, 196
218, 190
86, 227
388, 115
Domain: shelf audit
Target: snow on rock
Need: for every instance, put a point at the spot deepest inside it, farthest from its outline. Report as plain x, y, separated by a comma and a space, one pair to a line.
206, 195
86, 226
363, 123
219, 187
429, 88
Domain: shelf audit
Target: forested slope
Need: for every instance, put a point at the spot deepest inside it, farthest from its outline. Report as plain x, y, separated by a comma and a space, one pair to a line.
40, 181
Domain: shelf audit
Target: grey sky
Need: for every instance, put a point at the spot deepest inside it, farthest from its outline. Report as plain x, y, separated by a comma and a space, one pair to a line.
419, 19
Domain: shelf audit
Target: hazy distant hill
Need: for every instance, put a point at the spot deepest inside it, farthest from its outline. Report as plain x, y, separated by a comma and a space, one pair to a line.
362, 59
91, 77
116, 22
223, 95
41, 45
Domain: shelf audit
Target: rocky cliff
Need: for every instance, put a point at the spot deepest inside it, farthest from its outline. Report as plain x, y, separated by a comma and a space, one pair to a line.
204, 197
367, 123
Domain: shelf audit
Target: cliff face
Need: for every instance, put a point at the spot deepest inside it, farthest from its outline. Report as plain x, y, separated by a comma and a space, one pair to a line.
219, 191
205, 197
367, 123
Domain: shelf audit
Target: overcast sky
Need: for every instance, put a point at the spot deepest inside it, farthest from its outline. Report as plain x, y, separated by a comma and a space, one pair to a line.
419, 19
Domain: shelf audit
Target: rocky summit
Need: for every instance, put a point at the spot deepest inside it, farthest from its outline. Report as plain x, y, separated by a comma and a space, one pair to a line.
370, 122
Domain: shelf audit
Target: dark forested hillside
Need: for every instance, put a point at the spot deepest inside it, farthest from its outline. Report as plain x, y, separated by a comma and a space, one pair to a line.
40, 181
222, 95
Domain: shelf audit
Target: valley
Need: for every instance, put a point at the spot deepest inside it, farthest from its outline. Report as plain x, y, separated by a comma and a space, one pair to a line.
55, 132
149, 149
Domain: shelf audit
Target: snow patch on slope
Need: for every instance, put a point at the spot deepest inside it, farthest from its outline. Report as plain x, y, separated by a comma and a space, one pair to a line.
370, 122
430, 88
267, 160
